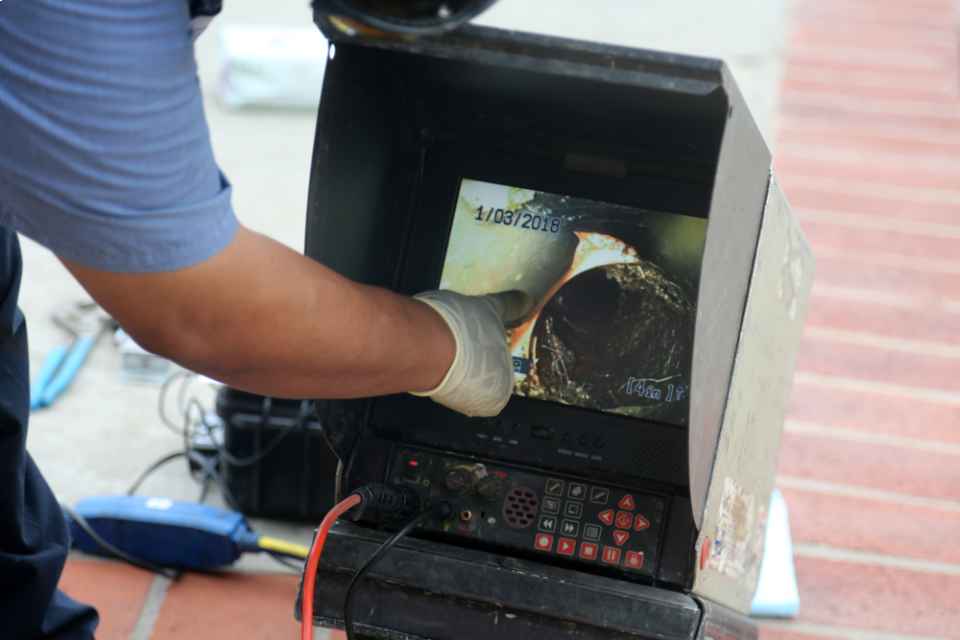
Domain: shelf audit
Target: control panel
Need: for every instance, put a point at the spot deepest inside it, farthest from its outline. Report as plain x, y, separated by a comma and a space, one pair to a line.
564, 518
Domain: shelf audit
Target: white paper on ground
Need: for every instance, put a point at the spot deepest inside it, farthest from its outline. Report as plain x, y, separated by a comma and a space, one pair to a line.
777, 595
271, 66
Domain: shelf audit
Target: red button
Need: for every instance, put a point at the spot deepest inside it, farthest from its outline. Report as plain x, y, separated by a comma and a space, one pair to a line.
566, 546
588, 551
606, 517
624, 520
634, 560
543, 542
627, 503
620, 537
611, 555
640, 523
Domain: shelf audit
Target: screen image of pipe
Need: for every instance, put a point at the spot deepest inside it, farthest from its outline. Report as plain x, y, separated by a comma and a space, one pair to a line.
612, 293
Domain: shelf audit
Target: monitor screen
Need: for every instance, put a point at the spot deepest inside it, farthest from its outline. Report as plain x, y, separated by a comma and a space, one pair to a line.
611, 291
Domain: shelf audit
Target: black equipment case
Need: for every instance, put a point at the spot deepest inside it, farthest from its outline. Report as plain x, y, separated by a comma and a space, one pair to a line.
570, 522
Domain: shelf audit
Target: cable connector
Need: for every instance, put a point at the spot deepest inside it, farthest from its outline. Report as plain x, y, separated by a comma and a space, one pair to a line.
382, 503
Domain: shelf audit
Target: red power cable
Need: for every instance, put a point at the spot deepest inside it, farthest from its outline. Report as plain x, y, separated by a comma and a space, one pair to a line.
313, 560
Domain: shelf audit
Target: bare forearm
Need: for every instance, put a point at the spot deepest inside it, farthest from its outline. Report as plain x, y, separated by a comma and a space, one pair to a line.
350, 342
261, 317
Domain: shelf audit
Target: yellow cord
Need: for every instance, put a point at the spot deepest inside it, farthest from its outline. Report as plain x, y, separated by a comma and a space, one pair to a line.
282, 546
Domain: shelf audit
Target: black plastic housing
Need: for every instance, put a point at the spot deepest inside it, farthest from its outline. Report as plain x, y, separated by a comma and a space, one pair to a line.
400, 123
424, 590
290, 470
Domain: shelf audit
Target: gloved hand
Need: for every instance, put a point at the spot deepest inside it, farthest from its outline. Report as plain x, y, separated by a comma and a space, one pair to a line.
480, 380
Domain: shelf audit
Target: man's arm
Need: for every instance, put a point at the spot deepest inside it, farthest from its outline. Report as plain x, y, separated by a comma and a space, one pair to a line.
108, 164
262, 317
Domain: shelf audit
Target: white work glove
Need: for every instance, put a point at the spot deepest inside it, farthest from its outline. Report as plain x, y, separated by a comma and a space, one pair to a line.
480, 380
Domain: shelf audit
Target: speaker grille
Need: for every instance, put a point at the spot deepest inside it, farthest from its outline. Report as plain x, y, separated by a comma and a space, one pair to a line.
520, 507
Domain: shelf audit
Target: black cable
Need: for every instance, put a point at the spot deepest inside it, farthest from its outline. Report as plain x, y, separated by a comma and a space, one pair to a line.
377, 555
338, 482
338, 474
207, 468
162, 399
185, 431
114, 551
211, 473
170, 457
229, 458
204, 488
182, 391
297, 557
286, 561
195, 417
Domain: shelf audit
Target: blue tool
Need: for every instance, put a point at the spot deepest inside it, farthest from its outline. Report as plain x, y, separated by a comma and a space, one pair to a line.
169, 533
86, 323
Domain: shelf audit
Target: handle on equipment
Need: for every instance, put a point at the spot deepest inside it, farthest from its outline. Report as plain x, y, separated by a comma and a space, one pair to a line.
68, 370
49, 367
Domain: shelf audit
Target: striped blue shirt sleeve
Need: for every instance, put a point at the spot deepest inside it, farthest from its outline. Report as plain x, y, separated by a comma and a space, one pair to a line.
105, 155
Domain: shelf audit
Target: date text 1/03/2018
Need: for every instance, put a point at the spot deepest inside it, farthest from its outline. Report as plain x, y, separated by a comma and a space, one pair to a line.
519, 219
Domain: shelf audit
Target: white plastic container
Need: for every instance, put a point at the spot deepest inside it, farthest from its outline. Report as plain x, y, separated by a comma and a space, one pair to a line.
271, 66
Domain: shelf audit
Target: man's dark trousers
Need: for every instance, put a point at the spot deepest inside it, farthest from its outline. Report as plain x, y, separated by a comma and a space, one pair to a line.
33, 536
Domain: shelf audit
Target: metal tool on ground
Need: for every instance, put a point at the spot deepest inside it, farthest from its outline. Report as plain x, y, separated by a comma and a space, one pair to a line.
86, 323
137, 364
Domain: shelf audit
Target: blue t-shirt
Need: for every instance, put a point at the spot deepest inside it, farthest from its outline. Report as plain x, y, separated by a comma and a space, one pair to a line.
105, 156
